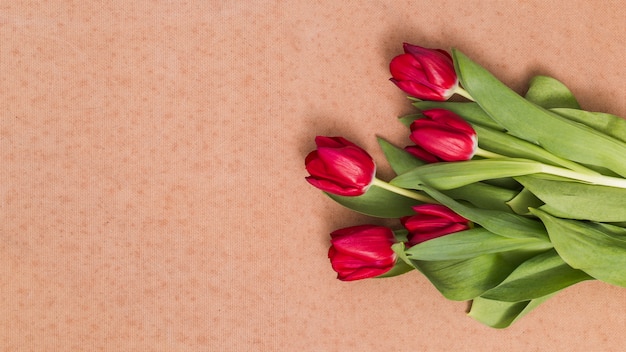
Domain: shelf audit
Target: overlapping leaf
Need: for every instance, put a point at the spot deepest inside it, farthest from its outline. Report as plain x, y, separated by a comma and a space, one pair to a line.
471, 243
576, 200
378, 202
535, 124
499, 314
539, 276
595, 249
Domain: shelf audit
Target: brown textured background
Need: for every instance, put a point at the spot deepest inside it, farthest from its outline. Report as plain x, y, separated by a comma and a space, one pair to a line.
152, 181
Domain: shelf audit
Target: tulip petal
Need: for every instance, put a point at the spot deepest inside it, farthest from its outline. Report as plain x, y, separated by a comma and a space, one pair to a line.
361, 252
448, 145
439, 68
439, 211
340, 167
406, 67
450, 119
421, 154
420, 89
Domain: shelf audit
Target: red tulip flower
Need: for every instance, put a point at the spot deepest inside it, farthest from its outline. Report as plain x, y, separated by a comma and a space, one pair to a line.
340, 167
432, 221
361, 252
442, 136
426, 74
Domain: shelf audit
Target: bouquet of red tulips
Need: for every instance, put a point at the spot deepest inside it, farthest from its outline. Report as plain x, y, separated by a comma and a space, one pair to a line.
502, 199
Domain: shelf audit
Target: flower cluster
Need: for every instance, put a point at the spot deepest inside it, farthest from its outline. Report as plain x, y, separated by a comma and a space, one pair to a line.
500, 199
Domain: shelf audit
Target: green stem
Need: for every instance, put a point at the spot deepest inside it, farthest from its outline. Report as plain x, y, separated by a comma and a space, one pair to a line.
403, 191
487, 154
462, 92
595, 178
576, 168
600, 180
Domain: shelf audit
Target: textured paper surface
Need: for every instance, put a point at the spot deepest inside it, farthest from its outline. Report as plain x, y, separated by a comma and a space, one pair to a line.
152, 176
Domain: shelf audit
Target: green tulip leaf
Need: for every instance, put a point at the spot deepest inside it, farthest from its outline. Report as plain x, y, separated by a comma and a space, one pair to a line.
523, 119
445, 176
576, 200
483, 195
548, 93
400, 160
524, 200
598, 250
407, 120
499, 222
400, 268
498, 314
378, 202
471, 243
539, 276
461, 280
399, 248
611, 125
513, 147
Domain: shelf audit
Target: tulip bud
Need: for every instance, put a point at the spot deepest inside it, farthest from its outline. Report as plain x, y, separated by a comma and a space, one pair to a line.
361, 252
340, 167
426, 74
442, 136
432, 221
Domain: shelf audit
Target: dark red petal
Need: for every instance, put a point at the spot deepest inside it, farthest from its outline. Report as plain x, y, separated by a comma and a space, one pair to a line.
406, 68
445, 143
333, 142
348, 165
421, 91
421, 154
415, 238
330, 187
363, 273
438, 211
438, 67
449, 118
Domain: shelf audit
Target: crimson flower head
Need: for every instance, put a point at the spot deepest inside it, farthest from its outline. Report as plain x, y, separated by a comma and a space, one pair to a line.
432, 221
361, 252
340, 167
442, 136
424, 73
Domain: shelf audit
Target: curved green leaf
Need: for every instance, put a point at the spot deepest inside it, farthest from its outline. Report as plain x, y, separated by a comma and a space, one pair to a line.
400, 160
445, 176
483, 195
498, 314
399, 268
609, 124
577, 200
499, 222
461, 280
524, 200
471, 243
513, 147
539, 276
548, 92
523, 119
378, 202
600, 251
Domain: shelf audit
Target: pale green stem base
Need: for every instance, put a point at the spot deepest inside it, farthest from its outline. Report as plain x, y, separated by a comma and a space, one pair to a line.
600, 180
487, 154
462, 92
403, 192
594, 178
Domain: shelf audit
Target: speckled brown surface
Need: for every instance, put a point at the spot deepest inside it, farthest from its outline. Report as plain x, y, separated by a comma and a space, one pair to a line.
152, 182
